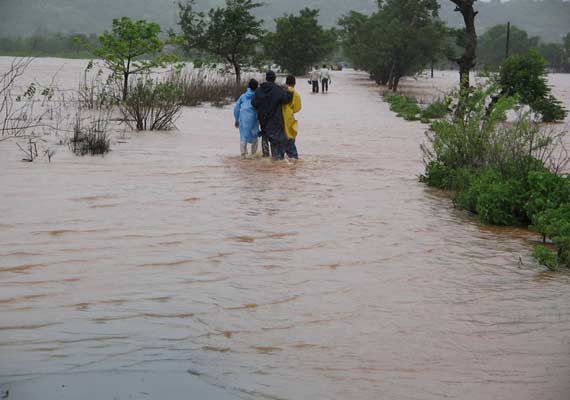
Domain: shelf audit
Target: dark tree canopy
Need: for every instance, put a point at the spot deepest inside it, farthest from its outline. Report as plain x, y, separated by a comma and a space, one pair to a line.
299, 41
400, 39
230, 33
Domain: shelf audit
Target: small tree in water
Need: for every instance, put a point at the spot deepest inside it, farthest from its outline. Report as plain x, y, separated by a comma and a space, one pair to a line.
525, 76
230, 33
123, 49
299, 41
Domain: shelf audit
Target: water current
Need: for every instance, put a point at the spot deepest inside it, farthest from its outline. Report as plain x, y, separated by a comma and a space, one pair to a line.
336, 277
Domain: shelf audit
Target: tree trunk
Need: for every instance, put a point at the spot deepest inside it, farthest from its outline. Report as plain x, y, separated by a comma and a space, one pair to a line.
125, 85
396, 82
468, 60
126, 74
237, 69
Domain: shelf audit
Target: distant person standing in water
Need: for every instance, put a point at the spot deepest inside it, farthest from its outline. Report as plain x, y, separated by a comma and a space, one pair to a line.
246, 120
291, 124
325, 78
268, 100
315, 77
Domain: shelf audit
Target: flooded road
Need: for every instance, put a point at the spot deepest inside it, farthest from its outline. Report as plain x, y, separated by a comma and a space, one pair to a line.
337, 277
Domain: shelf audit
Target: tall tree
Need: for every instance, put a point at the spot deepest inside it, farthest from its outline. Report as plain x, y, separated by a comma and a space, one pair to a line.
132, 48
230, 33
299, 41
400, 39
468, 60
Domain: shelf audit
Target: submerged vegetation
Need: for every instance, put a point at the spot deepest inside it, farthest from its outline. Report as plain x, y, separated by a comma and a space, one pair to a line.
409, 109
152, 104
207, 86
506, 174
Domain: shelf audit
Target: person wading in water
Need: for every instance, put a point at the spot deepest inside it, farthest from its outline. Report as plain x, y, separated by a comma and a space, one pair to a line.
291, 124
325, 79
268, 100
246, 120
315, 76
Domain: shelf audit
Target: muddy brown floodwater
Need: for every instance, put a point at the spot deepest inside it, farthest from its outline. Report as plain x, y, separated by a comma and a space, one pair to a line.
337, 277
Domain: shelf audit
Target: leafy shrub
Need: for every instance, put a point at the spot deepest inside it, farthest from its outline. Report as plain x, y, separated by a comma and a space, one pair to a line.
507, 174
555, 224
546, 191
495, 200
436, 110
404, 107
437, 175
563, 249
525, 76
152, 105
550, 108
546, 257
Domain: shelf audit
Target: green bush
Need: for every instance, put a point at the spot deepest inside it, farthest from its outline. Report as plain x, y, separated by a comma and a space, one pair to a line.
495, 200
550, 108
525, 76
546, 257
563, 249
441, 177
555, 224
499, 171
436, 110
437, 175
404, 107
409, 109
546, 191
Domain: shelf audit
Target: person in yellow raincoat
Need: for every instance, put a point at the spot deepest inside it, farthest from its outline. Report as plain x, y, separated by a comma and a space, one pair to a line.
291, 124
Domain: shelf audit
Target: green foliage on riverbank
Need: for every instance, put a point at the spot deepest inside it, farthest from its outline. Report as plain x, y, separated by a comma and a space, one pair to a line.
409, 109
505, 174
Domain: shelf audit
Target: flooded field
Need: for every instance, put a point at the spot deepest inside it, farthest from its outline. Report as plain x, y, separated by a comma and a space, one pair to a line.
337, 277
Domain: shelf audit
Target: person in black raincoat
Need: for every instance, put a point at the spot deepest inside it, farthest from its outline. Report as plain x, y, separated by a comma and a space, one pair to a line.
268, 100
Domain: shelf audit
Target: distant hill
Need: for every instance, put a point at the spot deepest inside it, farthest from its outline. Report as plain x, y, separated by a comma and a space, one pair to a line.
549, 19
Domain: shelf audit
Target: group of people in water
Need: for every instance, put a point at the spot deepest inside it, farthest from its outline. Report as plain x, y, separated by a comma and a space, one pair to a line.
268, 111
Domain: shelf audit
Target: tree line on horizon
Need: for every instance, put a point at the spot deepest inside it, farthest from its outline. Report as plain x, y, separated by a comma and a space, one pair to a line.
547, 19
399, 39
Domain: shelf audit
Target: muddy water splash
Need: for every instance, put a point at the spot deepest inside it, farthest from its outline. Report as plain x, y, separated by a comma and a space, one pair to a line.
339, 276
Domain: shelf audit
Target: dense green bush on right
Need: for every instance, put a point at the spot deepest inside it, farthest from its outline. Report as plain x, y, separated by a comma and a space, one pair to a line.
504, 173
494, 199
554, 223
546, 191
